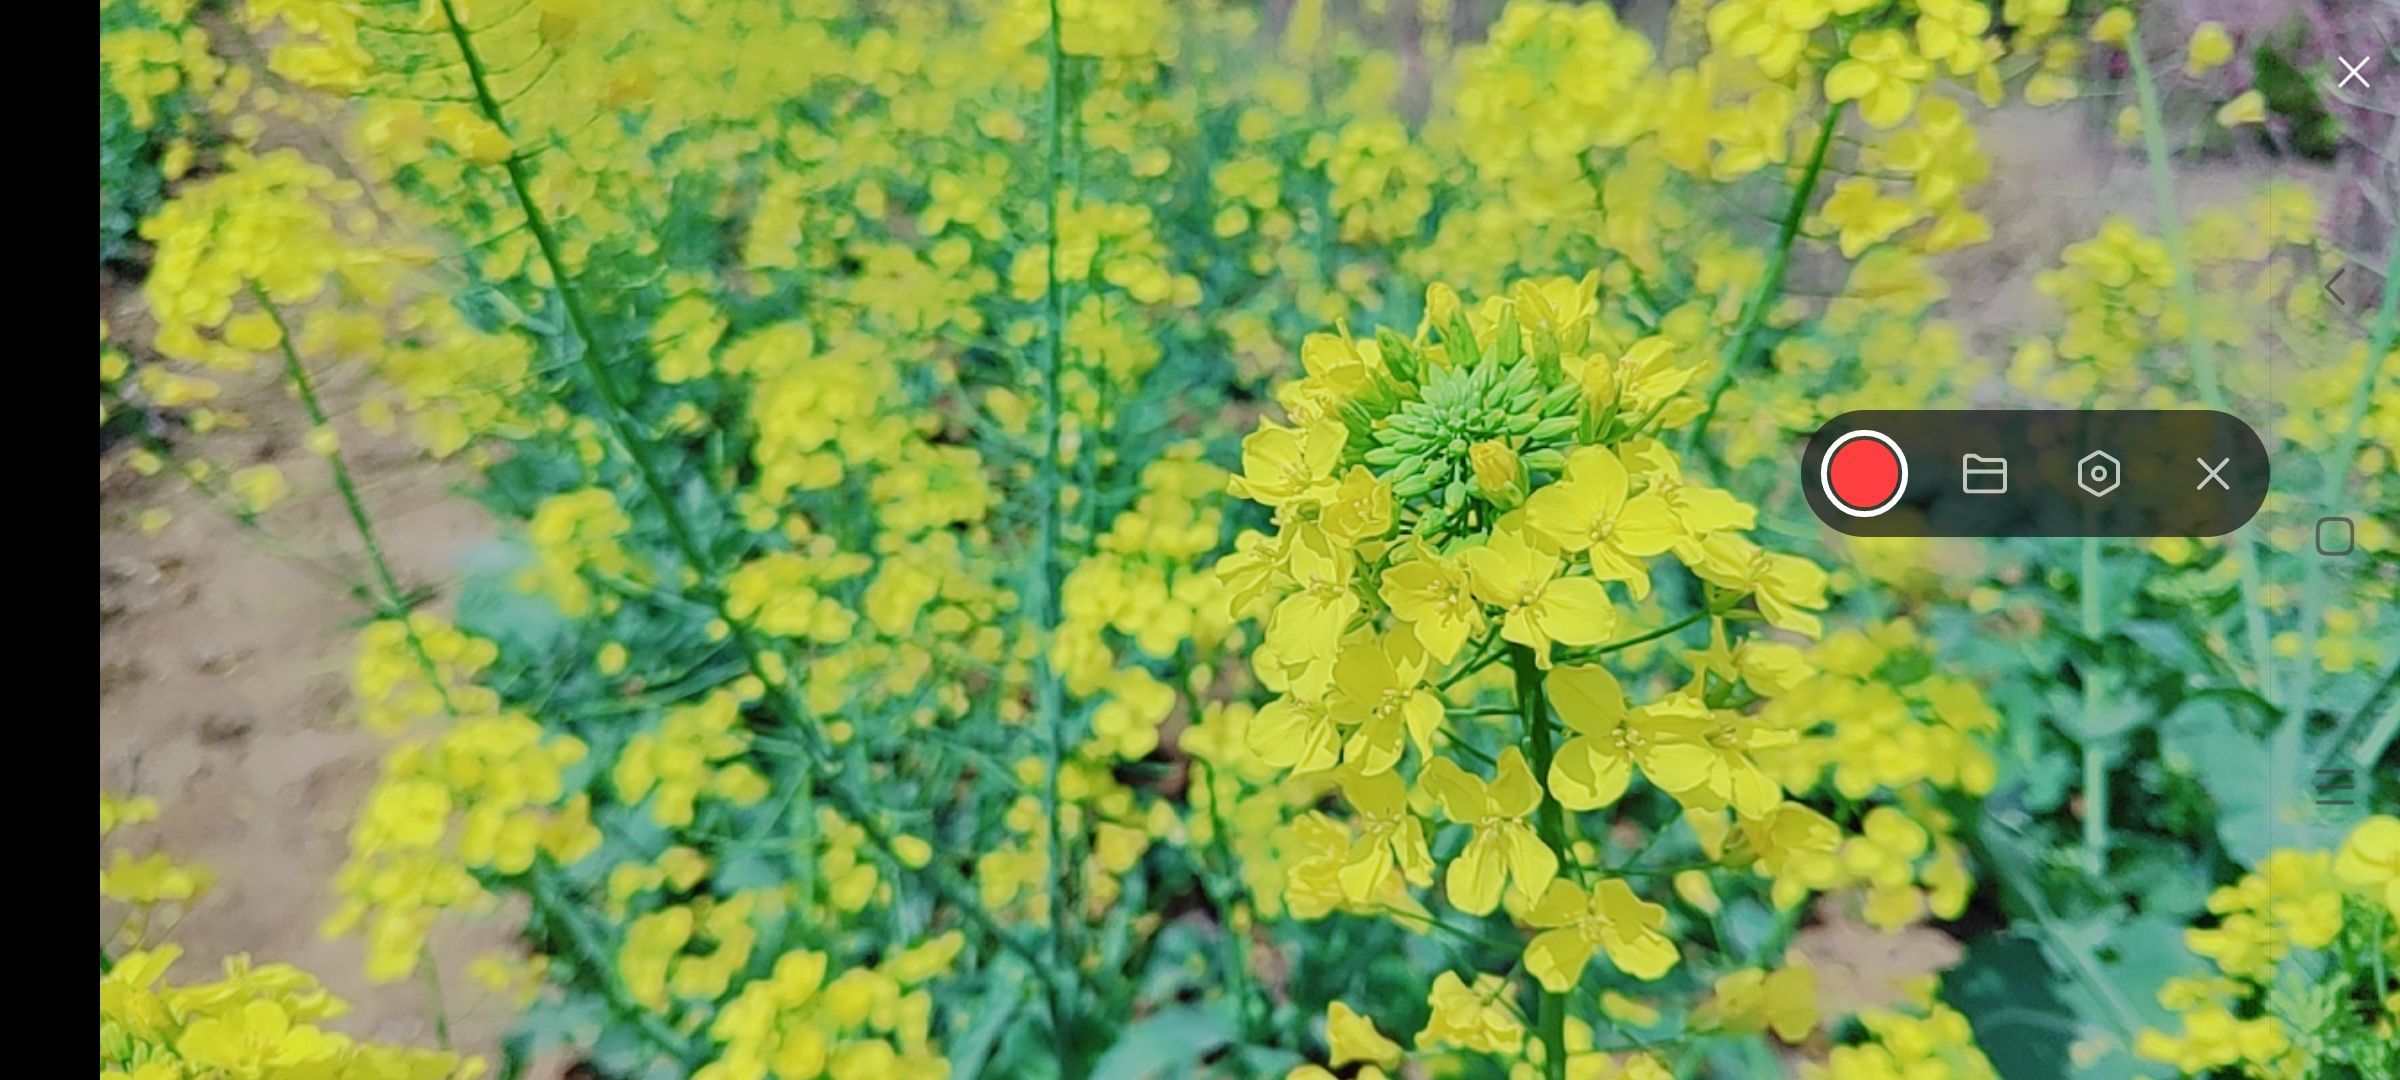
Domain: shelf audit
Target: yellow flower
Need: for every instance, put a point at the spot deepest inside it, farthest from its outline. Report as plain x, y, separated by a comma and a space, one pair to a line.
1952, 31
2113, 27
1865, 215
1281, 464
2370, 859
1589, 511
256, 1038
1785, 586
1714, 769
260, 486
2249, 107
121, 810
1504, 848
1380, 693
1881, 74
2211, 47
2049, 88
1474, 1017
1594, 767
1609, 919
1537, 606
1289, 733
1307, 626
1354, 1038
1389, 832
1499, 476
151, 879
1749, 1001
1435, 598
1358, 509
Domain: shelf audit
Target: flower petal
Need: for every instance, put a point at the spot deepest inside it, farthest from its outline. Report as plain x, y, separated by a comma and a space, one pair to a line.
1588, 774
1587, 697
1557, 958
1474, 878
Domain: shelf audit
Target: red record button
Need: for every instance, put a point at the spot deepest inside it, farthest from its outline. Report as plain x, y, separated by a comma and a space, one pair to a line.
1864, 473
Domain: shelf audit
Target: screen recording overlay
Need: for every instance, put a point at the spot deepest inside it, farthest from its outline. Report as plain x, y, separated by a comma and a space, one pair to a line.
2008, 473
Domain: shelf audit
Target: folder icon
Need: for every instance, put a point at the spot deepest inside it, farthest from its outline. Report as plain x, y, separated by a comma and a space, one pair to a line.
1983, 475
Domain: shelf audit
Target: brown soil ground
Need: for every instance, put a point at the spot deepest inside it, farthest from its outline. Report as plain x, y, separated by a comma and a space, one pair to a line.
224, 695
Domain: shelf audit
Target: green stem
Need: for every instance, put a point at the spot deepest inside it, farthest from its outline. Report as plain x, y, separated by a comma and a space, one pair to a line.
619, 412
1770, 288
391, 599
2198, 354
2007, 860
2366, 752
238, 512
584, 951
1227, 900
1551, 1018
1049, 704
385, 595
1637, 639
389, 604
107, 964
617, 415
2370, 749
2095, 752
1551, 823
431, 975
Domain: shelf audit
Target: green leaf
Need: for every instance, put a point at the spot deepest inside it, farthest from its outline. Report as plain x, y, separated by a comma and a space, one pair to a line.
2263, 788
2132, 958
993, 1014
2010, 995
1170, 1042
490, 606
2168, 880
1267, 1060
2164, 644
1176, 960
2118, 713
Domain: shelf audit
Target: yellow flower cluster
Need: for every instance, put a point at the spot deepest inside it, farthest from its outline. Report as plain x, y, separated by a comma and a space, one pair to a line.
696, 750
1923, 1041
2249, 1017
145, 883
418, 668
1872, 718
1496, 486
255, 1023
483, 792
863, 1022
276, 252
573, 536
2249, 264
160, 54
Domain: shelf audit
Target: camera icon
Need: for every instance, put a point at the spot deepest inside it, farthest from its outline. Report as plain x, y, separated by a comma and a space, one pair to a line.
2098, 473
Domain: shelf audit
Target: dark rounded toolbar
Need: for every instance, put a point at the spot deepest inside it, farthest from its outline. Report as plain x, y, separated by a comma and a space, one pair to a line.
2135, 472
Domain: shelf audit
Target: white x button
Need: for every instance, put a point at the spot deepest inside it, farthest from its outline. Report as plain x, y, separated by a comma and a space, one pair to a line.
2213, 474
2351, 71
